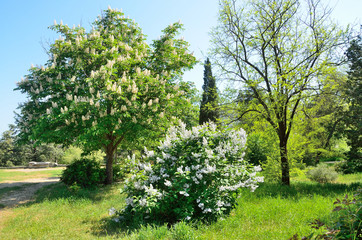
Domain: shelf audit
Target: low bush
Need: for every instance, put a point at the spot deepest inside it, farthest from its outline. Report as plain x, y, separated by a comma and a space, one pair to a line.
196, 175
351, 166
322, 174
84, 172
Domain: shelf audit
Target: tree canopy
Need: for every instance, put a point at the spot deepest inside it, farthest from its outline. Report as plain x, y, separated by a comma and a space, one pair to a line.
353, 90
276, 49
103, 87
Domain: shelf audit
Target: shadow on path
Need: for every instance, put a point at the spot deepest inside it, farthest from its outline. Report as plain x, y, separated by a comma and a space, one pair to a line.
13, 194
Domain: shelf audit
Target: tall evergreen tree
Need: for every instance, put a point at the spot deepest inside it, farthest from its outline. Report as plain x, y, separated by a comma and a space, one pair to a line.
353, 116
208, 107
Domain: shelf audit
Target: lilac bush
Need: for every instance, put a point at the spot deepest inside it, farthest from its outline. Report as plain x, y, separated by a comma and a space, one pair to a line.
193, 175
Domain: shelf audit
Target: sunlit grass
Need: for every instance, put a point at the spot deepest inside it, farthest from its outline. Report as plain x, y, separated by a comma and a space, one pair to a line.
16, 175
271, 212
350, 178
60, 214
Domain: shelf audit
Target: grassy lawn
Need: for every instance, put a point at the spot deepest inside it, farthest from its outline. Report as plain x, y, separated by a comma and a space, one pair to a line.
18, 175
271, 212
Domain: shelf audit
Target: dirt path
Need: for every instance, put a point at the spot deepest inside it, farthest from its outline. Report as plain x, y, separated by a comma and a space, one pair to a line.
26, 191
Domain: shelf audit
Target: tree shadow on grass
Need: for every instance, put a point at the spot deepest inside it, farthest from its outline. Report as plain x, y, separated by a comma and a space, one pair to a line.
299, 190
61, 191
149, 230
108, 227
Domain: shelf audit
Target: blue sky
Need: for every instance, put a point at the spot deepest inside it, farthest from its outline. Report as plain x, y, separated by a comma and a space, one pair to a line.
24, 32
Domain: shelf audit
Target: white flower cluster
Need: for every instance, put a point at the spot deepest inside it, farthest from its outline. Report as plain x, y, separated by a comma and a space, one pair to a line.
187, 166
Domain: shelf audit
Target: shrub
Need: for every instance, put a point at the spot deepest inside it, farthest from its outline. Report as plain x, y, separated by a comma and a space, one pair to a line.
196, 175
349, 222
257, 149
350, 166
322, 174
347, 225
86, 173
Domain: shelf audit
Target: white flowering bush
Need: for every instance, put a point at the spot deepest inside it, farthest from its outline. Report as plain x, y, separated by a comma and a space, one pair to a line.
194, 174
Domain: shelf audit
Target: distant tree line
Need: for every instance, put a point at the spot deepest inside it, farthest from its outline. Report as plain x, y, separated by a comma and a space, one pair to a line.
14, 154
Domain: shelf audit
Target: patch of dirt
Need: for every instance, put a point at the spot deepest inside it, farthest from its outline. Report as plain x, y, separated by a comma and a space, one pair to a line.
26, 193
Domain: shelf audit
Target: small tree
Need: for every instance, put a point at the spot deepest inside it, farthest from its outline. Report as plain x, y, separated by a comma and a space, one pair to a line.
105, 87
208, 107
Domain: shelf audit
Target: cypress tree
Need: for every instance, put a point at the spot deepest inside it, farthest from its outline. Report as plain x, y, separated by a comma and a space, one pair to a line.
208, 107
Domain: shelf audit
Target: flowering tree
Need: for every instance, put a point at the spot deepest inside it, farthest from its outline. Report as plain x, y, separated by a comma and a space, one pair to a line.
196, 174
104, 87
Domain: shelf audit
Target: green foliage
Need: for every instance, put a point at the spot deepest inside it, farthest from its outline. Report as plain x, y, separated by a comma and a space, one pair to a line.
350, 166
274, 57
322, 174
106, 87
85, 173
349, 221
14, 154
6, 149
262, 144
347, 224
196, 175
208, 107
352, 117
70, 155
320, 121
120, 172
257, 149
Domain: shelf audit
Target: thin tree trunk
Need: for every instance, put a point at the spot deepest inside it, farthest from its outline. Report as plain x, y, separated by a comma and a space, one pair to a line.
109, 164
284, 157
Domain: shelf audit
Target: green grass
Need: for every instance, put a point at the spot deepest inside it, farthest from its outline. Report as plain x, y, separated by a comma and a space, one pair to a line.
350, 178
15, 175
271, 212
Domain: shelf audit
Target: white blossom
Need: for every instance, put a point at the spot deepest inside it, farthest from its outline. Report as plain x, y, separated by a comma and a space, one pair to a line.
204, 142
134, 120
257, 169
143, 202
201, 205
259, 179
207, 210
168, 183
209, 153
184, 193
179, 170
112, 211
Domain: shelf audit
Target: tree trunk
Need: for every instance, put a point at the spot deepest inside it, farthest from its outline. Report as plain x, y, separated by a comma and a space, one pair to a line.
109, 164
284, 157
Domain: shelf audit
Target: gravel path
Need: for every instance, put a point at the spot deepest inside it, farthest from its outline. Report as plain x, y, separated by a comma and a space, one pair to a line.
27, 191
